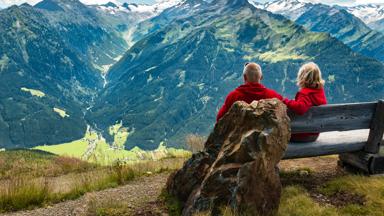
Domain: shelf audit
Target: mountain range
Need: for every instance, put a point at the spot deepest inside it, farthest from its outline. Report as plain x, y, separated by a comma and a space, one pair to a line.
173, 80
164, 70
371, 14
335, 20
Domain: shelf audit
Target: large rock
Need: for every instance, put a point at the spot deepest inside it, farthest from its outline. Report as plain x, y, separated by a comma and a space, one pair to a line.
238, 165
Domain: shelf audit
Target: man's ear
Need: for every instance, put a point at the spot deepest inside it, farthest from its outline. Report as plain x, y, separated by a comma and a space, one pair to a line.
261, 78
245, 78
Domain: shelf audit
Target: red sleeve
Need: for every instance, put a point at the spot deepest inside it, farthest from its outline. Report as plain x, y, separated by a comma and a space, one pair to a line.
301, 105
229, 101
273, 94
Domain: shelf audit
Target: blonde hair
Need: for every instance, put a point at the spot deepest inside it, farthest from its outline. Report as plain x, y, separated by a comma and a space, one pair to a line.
309, 76
253, 72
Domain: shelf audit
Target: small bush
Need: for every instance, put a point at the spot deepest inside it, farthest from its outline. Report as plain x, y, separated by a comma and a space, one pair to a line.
195, 142
173, 205
69, 165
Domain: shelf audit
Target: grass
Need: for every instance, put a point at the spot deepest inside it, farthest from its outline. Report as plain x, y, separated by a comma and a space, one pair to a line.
372, 188
22, 194
107, 154
173, 205
61, 112
296, 201
110, 208
33, 179
120, 135
75, 149
34, 92
280, 55
37, 163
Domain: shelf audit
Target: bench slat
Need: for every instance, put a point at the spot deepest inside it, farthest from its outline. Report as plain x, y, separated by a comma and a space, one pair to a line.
338, 117
329, 144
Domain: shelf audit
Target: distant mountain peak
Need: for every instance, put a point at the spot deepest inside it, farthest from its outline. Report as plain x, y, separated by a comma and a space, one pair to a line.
110, 4
25, 4
61, 5
231, 3
50, 5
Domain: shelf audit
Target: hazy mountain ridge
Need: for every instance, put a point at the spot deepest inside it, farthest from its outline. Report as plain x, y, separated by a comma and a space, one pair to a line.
171, 82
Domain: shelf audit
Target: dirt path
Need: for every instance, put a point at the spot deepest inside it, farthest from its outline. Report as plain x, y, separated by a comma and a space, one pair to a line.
138, 193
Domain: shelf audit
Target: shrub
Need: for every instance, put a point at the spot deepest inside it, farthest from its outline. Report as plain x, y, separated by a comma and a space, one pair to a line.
70, 164
195, 142
172, 204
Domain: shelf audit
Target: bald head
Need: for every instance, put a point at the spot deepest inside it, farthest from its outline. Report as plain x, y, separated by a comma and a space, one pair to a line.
252, 73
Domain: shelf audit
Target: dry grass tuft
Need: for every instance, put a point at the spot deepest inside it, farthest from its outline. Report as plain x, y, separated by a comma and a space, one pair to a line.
195, 142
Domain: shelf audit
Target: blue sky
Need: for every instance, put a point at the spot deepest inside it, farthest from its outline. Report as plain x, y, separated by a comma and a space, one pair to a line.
4, 3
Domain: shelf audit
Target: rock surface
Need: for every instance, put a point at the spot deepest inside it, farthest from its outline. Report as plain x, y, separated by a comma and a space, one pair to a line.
238, 165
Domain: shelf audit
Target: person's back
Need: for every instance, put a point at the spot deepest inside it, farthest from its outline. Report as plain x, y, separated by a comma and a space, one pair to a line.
250, 91
311, 94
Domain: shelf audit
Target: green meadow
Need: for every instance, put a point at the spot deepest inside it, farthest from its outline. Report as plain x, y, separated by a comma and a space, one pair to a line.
94, 148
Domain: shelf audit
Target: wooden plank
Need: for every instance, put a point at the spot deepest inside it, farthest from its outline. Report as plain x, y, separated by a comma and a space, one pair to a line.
337, 117
329, 144
377, 130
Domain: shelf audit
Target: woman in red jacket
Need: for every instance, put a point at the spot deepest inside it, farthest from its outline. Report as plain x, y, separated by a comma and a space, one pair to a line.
311, 94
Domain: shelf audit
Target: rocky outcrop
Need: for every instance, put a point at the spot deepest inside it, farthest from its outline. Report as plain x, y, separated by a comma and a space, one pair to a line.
238, 165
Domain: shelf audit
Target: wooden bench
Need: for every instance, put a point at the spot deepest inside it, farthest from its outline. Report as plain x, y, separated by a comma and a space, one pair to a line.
359, 149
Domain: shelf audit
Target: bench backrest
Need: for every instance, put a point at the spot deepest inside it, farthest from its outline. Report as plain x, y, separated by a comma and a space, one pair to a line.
338, 117
344, 117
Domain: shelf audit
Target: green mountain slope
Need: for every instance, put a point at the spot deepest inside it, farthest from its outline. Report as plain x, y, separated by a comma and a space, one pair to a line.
51, 56
345, 27
85, 29
172, 82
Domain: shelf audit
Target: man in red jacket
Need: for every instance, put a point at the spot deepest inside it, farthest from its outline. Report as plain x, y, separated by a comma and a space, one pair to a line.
250, 91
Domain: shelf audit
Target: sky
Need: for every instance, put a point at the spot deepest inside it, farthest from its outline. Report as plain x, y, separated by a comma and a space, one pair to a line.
5, 3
